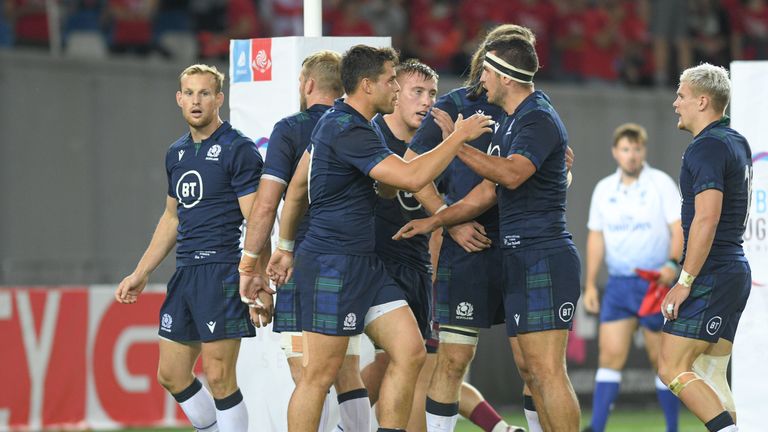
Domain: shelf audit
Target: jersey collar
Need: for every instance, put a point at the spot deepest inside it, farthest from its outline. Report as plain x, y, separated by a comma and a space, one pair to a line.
723, 121
223, 127
340, 105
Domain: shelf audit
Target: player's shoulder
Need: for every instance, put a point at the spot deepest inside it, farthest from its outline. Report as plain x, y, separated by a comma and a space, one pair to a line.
294, 120
179, 142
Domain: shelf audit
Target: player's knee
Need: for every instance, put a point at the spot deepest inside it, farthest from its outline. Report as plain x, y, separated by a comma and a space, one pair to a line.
611, 359
172, 379
545, 369
454, 363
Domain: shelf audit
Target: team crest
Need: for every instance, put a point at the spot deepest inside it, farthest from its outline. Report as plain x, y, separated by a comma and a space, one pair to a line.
350, 321
465, 310
166, 322
213, 153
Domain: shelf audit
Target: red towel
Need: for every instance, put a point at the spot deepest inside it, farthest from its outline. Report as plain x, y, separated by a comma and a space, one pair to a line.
651, 304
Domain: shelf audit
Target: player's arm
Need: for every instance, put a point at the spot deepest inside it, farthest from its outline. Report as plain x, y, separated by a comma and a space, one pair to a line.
668, 272
469, 235
476, 202
415, 174
709, 205
163, 241
296, 202
595, 254
261, 216
509, 172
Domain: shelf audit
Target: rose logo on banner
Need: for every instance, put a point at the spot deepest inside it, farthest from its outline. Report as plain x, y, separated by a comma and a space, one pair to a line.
261, 59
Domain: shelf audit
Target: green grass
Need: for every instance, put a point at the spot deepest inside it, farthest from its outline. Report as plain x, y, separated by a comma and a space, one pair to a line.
620, 421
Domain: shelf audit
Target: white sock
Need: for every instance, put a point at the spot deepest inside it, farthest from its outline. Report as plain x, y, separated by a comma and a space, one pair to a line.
533, 421
731, 428
354, 411
531, 415
441, 417
197, 404
231, 413
500, 427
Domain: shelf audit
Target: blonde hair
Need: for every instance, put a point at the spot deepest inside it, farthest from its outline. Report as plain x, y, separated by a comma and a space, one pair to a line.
201, 69
476, 65
711, 80
325, 68
631, 131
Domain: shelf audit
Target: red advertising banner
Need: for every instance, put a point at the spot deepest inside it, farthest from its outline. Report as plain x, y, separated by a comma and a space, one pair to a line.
73, 358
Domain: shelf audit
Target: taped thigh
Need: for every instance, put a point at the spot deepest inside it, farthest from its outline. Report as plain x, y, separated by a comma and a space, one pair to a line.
292, 344
458, 335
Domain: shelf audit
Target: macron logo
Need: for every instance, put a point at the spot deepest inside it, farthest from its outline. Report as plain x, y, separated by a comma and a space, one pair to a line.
181, 154
211, 325
517, 319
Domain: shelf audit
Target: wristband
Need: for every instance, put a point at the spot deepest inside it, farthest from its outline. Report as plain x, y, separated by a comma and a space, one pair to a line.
286, 245
673, 264
686, 279
443, 207
250, 254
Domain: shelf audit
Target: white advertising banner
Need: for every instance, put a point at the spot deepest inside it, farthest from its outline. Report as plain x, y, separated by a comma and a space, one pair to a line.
749, 105
264, 88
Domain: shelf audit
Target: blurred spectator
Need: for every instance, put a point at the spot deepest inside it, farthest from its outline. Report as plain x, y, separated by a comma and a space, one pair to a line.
570, 39
387, 18
131, 25
669, 23
434, 37
540, 17
217, 21
347, 20
6, 35
476, 19
636, 62
750, 31
29, 21
287, 17
602, 24
709, 27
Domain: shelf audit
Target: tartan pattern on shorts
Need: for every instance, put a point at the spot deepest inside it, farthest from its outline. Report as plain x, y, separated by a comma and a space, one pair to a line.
538, 285
692, 325
235, 328
326, 302
442, 313
285, 309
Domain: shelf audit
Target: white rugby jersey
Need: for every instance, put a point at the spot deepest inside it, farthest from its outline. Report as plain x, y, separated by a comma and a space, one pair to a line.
634, 219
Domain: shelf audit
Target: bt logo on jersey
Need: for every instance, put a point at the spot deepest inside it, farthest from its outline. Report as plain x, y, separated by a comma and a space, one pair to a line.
189, 189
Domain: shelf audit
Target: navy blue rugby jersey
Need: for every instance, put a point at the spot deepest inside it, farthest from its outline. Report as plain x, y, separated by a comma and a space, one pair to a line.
533, 215
719, 158
392, 214
344, 148
207, 179
458, 179
287, 144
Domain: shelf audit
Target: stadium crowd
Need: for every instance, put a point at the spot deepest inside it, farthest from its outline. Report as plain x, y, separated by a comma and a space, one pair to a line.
635, 42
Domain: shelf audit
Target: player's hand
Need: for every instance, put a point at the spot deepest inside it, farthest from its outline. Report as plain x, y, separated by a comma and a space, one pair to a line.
474, 126
675, 297
444, 121
416, 227
251, 284
129, 289
667, 275
471, 236
569, 156
280, 267
591, 299
262, 310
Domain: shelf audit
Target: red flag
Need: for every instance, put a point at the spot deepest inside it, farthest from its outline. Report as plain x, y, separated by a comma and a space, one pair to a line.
651, 304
